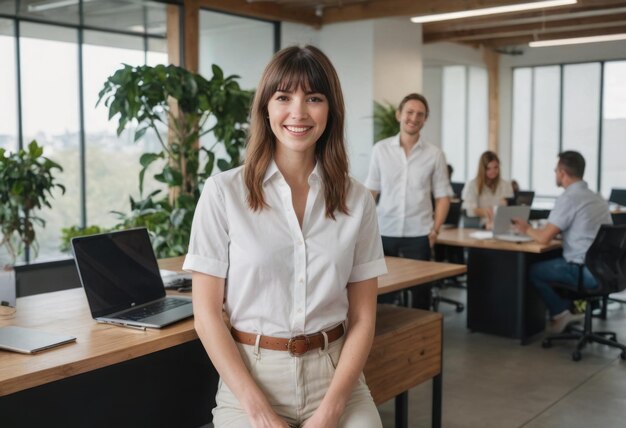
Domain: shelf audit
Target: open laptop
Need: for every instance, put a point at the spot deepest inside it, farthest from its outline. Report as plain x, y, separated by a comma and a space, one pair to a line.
503, 225
121, 278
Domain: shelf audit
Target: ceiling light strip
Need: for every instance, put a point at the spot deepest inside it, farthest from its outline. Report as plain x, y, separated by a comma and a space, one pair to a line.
577, 40
491, 10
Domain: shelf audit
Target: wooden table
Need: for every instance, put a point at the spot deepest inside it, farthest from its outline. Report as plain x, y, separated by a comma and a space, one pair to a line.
66, 384
401, 273
499, 299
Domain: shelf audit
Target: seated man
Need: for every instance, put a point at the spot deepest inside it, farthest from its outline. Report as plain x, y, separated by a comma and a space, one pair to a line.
577, 215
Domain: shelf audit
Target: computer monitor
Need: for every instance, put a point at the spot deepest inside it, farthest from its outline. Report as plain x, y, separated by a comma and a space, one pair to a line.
524, 197
457, 188
618, 196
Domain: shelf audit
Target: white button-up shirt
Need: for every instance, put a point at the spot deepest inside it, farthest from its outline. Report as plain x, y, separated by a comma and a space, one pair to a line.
282, 280
405, 184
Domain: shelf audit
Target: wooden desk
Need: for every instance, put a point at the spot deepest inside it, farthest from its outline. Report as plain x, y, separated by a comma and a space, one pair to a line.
401, 273
65, 385
499, 299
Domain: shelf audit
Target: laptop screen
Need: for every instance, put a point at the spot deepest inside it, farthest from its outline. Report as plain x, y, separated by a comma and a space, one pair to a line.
118, 270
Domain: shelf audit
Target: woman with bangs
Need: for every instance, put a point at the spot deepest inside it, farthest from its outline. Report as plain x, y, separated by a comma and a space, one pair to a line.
288, 247
482, 195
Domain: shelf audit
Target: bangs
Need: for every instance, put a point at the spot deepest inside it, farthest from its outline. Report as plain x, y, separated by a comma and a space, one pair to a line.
301, 71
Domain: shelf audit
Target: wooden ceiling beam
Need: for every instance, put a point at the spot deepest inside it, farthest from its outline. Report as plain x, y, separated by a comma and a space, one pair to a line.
504, 30
388, 8
268, 10
581, 7
524, 40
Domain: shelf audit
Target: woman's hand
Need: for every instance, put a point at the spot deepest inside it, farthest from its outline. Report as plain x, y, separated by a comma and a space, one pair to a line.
321, 419
268, 420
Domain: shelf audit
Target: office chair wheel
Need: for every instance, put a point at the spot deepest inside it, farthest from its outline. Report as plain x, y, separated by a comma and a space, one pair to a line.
576, 356
460, 308
546, 344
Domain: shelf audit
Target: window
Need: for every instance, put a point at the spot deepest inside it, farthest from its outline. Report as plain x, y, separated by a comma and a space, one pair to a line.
613, 170
522, 108
464, 118
581, 110
112, 162
50, 115
453, 125
545, 129
50, 55
569, 107
8, 87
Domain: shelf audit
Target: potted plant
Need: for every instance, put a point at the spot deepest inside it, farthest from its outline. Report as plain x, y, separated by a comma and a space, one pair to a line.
385, 122
26, 184
179, 107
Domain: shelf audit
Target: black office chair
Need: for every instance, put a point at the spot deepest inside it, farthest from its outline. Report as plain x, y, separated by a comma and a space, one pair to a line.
452, 255
618, 218
46, 277
606, 260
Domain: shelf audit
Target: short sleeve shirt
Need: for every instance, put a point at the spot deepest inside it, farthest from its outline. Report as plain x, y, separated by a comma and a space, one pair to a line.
283, 280
578, 213
405, 184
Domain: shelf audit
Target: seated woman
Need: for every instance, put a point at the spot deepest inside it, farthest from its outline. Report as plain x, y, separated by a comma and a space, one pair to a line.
487, 190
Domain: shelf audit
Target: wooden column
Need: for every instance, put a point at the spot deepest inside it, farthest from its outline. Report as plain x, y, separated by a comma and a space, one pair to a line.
173, 34
191, 35
492, 59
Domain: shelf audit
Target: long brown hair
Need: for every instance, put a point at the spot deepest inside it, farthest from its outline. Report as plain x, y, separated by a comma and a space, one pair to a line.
308, 68
481, 176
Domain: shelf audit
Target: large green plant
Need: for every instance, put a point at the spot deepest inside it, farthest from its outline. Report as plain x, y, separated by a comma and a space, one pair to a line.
385, 123
26, 184
179, 107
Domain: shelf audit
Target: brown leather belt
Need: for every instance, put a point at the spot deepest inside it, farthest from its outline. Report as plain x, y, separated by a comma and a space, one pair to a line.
297, 346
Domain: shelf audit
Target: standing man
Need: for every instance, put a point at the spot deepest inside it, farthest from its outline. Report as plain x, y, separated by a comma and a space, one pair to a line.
406, 170
577, 215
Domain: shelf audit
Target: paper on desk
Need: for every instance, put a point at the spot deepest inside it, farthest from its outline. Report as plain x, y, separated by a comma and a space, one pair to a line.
482, 234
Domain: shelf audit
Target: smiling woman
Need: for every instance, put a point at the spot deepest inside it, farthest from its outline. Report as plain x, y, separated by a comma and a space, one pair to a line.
266, 227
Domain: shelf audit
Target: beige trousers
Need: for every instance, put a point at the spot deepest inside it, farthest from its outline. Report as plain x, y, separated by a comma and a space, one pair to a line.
295, 387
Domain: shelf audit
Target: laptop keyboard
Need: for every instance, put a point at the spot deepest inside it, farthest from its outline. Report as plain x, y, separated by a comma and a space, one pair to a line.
155, 308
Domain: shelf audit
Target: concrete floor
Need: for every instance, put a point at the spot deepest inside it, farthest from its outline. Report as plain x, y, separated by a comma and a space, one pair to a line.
490, 381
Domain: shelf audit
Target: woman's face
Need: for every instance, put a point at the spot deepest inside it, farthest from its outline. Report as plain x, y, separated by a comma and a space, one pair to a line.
493, 170
297, 119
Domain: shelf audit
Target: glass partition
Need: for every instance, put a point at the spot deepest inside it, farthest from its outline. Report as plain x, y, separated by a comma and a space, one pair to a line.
8, 87
613, 157
581, 110
50, 115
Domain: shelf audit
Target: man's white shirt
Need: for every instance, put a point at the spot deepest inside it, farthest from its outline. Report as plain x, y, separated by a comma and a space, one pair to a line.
405, 184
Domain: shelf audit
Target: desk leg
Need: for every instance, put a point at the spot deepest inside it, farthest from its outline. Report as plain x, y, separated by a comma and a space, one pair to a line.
402, 410
437, 400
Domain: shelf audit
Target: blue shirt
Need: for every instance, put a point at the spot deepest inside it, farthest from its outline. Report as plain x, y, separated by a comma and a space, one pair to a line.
578, 213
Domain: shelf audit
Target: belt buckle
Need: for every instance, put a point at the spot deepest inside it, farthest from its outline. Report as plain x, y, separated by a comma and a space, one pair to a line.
291, 345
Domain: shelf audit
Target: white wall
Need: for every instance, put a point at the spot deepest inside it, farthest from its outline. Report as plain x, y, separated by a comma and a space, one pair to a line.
444, 53
397, 59
220, 34
371, 57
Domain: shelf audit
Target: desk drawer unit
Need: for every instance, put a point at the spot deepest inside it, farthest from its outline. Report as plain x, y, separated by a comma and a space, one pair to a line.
407, 351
